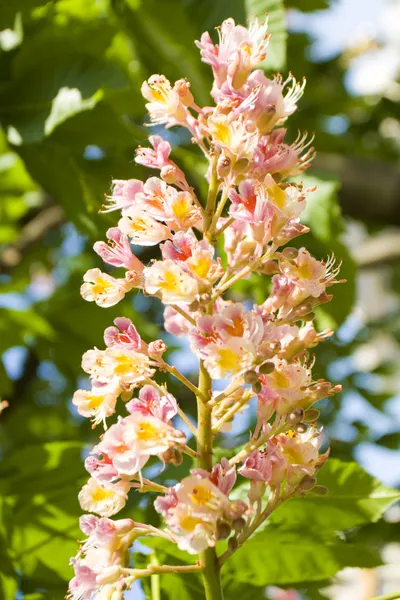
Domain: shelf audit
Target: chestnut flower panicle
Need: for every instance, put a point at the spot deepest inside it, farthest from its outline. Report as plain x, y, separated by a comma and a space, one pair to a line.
201, 248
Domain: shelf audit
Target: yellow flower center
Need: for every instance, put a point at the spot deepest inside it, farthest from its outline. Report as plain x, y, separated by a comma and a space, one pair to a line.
124, 365
94, 400
138, 225
277, 195
228, 359
100, 494
304, 271
293, 455
170, 283
222, 133
188, 523
101, 286
201, 495
201, 267
280, 379
147, 432
181, 208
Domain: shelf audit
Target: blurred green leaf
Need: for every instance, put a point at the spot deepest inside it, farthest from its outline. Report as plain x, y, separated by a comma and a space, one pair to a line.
17, 327
308, 5
296, 556
38, 485
323, 215
354, 498
55, 169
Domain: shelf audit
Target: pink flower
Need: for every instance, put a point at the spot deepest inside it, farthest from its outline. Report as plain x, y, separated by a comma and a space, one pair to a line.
193, 509
117, 251
303, 279
238, 52
287, 385
130, 442
158, 158
101, 469
197, 258
141, 227
233, 138
228, 341
272, 155
301, 454
175, 323
150, 402
123, 194
222, 475
164, 106
124, 336
164, 203
263, 467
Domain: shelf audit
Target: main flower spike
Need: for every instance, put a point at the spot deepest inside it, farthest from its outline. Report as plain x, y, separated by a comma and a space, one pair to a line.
243, 227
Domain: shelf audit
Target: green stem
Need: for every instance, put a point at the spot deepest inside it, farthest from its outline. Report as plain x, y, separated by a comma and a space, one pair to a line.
393, 596
211, 201
208, 558
155, 581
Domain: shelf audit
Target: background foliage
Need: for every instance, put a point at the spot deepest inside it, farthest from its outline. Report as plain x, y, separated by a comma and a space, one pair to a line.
71, 117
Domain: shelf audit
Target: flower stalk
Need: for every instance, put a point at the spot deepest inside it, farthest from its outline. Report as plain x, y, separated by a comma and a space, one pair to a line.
263, 350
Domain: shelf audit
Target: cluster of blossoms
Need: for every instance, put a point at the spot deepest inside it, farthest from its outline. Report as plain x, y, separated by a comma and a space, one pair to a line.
251, 214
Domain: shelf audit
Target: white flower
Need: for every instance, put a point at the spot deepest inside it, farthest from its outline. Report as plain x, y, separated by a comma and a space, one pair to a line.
171, 282
102, 288
105, 499
142, 228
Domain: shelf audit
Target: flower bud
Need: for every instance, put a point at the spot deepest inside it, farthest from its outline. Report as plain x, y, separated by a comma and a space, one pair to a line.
309, 317
267, 368
223, 530
169, 174
257, 387
223, 166
311, 415
239, 524
251, 377
182, 87
172, 456
156, 349
290, 253
233, 543
295, 416
240, 166
194, 306
236, 510
301, 427
306, 484
320, 490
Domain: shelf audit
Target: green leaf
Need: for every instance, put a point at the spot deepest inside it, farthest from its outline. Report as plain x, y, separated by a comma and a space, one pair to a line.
38, 485
69, 84
56, 171
308, 5
9, 10
323, 215
354, 498
16, 327
301, 535
281, 557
